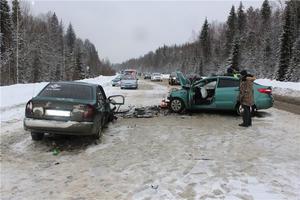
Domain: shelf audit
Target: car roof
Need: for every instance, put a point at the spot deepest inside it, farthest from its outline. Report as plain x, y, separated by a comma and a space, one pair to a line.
227, 77
76, 83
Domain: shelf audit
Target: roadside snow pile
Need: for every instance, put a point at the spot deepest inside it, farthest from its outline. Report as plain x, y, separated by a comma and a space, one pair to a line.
291, 89
100, 80
17, 94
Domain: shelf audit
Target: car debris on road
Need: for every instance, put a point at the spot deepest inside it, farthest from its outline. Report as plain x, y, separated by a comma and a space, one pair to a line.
144, 112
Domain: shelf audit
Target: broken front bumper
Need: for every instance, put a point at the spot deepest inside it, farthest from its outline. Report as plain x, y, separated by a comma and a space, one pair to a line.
60, 127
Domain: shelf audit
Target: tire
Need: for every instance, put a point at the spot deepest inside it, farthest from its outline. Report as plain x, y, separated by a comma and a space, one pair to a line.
239, 110
98, 135
176, 105
36, 136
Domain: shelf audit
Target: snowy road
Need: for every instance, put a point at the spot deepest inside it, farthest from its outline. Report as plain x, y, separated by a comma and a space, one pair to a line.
198, 156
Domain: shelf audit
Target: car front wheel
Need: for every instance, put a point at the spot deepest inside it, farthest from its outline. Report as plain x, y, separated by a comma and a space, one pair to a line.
98, 135
176, 105
36, 136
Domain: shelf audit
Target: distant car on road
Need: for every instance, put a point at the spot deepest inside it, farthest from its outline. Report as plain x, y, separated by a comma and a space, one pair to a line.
129, 82
173, 79
216, 93
156, 77
116, 81
147, 76
70, 108
130, 72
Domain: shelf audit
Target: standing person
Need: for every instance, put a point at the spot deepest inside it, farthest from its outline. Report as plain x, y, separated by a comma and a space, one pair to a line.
246, 97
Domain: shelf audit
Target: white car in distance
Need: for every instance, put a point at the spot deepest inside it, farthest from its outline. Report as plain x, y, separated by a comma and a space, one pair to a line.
156, 77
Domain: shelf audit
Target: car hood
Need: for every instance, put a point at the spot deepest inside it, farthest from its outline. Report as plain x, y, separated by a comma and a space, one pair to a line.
184, 82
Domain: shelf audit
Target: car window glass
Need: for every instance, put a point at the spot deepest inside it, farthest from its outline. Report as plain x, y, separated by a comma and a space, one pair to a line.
65, 90
228, 83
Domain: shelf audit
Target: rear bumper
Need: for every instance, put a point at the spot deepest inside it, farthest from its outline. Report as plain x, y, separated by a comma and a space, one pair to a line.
264, 103
129, 86
60, 127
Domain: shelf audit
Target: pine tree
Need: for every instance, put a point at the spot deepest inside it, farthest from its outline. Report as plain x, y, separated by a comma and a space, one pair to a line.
265, 13
286, 46
241, 19
230, 30
70, 38
5, 42
235, 55
293, 73
37, 66
70, 56
205, 43
78, 71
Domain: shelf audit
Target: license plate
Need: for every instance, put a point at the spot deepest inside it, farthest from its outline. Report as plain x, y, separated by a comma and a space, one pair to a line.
60, 113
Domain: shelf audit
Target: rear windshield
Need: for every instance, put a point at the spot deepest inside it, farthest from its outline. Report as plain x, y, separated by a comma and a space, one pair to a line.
129, 78
71, 91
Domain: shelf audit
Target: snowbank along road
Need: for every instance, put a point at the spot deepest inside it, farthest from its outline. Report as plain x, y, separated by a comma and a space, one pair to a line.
198, 156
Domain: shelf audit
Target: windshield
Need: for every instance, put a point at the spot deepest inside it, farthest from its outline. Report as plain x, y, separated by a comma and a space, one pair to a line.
70, 91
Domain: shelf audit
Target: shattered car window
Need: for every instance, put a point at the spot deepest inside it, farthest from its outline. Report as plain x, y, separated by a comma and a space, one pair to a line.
70, 91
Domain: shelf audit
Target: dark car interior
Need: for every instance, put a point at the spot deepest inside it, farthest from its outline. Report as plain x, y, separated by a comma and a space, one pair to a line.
204, 92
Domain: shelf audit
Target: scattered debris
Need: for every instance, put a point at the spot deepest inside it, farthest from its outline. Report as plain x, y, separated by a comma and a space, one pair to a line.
55, 151
164, 104
155, 187
144, 112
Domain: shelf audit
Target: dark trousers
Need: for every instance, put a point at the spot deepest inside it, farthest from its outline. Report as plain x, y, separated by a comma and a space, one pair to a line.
247, 116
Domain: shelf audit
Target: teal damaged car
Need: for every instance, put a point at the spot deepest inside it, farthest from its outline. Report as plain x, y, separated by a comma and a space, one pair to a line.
216, 93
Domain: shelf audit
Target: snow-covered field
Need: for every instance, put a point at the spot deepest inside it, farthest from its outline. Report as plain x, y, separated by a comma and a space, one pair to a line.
199, 156
291, 89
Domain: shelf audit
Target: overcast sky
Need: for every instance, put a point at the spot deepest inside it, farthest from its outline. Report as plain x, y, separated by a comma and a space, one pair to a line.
122, 30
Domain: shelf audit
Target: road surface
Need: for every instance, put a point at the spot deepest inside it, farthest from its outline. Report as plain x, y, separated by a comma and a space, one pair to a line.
197, 156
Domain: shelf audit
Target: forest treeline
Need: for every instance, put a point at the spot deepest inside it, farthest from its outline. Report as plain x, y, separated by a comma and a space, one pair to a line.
266, 41
35, 49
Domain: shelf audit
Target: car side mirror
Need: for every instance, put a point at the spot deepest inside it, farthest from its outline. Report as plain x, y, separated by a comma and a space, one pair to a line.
116, 99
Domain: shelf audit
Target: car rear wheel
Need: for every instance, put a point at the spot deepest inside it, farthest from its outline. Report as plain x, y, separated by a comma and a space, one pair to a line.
239, 110
36, 136
176, 105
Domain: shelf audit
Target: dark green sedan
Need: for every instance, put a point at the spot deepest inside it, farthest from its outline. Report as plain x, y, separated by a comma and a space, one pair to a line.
72, 108
216, 93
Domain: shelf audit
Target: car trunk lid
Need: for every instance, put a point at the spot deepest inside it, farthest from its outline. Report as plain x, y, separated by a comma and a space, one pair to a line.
62, 109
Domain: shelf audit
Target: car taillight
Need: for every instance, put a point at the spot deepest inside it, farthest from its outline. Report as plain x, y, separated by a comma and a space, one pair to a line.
265, 90
29, 108
89, 112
